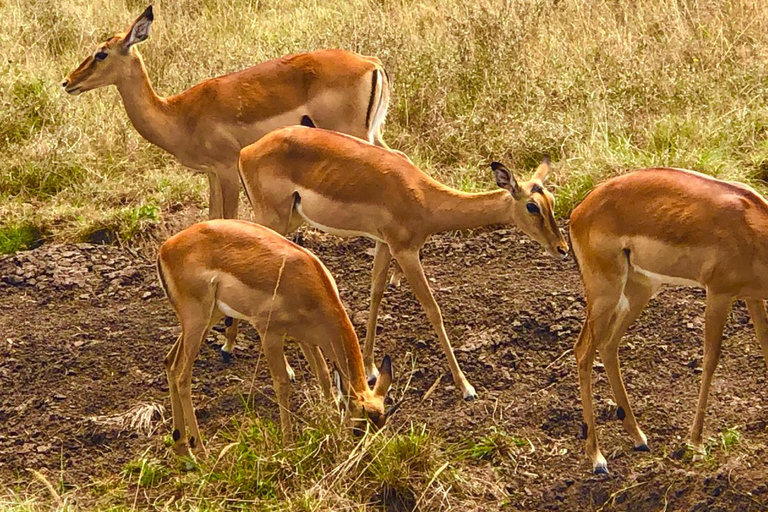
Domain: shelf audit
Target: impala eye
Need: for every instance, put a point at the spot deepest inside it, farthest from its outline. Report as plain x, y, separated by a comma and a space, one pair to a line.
533, 208
100, 55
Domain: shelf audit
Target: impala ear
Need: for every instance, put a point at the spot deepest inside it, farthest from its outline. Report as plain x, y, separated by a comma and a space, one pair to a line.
505, 179
384, 381
139, 31
543, 169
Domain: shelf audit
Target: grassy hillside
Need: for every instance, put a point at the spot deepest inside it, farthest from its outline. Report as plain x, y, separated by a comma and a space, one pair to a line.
601, 85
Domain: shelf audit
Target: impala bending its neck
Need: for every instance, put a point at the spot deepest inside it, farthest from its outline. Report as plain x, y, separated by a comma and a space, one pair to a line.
341, 185
664, 226
205, 126
285, 292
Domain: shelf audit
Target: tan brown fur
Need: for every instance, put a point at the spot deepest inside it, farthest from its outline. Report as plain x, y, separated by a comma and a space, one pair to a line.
348, 187
637, 231
283, 290
205, 126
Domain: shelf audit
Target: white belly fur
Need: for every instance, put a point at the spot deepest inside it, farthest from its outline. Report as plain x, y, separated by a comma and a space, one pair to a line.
332, 230
661, 278
227, 310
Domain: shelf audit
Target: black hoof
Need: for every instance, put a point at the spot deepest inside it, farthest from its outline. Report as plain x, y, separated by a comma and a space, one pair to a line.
601, 469
642, 448
226, 356
470, 398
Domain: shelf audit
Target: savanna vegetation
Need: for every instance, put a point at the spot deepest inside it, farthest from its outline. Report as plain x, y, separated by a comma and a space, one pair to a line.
603, 86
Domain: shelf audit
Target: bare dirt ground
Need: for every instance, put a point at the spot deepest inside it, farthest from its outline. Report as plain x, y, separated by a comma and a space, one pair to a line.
86, 328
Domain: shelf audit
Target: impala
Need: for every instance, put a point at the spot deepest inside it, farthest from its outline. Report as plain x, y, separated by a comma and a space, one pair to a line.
246, 271
206, 126
634, 233
344, 186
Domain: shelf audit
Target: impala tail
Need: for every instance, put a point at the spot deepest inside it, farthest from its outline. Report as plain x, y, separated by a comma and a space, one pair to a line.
378, 104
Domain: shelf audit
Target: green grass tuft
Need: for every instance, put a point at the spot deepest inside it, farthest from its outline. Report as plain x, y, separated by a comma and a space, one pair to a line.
19, 237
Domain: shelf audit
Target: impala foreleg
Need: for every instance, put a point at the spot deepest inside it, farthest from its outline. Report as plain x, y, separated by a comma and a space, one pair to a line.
230, 333
718, 306
381, 258
409, 262
272, 345
215, 201
230, 191
319, 367
759, 318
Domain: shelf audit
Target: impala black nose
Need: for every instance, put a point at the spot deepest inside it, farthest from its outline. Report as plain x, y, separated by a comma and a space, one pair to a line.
563, 252
65, 83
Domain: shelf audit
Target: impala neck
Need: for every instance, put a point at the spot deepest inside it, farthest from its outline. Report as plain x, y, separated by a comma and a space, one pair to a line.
148, 112
454, 210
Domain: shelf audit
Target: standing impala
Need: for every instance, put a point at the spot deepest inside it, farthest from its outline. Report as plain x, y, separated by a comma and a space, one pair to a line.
206, 126
346, 187
246, 271
634, 233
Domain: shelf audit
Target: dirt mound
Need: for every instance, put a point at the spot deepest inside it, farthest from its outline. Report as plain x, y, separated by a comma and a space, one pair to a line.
87, 328
83, 270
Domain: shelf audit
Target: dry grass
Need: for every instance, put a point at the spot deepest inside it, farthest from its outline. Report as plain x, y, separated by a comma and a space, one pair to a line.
603, 86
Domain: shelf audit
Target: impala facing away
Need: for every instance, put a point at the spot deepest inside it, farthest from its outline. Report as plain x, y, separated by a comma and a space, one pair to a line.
344, 186
206, 126
634, 233
246, 271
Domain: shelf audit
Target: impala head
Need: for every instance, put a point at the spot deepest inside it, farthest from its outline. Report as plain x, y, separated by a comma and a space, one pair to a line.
107, 64
533, 207
368, 406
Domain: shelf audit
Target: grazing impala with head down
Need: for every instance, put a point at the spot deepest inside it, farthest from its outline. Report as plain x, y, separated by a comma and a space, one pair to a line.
344, 186
246, 271
206, 126
634, 233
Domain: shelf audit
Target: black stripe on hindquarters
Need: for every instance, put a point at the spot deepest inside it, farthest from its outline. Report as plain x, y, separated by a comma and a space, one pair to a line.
374, 81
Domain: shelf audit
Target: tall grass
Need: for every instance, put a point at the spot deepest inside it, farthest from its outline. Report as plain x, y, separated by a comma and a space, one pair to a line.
602, 85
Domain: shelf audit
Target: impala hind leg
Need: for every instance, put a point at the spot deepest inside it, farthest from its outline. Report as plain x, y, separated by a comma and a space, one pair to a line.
381, 258
409, 262
196, 322
759, 318
605, 309
177, 411
716, 314
230, 333
637, 292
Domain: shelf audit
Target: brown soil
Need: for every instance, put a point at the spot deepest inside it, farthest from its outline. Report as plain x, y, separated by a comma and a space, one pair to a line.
87, 328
